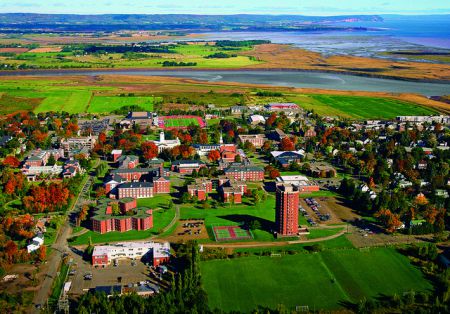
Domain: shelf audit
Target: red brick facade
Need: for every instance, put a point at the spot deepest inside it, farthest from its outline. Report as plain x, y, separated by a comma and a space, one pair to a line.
286, 210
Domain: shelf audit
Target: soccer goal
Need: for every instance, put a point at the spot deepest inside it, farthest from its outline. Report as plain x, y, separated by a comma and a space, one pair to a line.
302, 308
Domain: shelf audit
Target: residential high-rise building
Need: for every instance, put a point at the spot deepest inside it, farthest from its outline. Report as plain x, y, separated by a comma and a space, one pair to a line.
286, 209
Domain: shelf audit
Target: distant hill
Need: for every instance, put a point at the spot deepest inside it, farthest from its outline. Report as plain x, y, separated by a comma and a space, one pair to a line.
73, 22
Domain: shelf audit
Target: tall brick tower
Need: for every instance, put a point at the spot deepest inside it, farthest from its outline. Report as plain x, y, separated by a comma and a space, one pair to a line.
286, 209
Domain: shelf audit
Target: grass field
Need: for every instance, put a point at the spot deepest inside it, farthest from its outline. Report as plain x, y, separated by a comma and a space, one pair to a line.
101, 104
364, 107
321, 280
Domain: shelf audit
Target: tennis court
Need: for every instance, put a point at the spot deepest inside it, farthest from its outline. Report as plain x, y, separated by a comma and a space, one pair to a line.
231, 233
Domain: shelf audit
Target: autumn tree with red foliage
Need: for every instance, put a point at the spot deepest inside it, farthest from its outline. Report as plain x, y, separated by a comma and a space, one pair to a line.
11, 161
46, 198
390, 220
149, 150
42, 253
213, 155
286, 144
11, 250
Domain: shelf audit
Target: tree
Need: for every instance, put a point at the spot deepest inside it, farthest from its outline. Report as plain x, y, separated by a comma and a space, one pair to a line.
286, 144
100, 192
115, 209
238, 158
11, 161
390, 221
255, 224
51, 160
11, 250
213, 155
274, 173
149, 150
42, 253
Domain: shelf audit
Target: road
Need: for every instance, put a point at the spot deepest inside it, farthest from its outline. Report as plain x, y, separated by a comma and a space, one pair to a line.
60, 247
275, 244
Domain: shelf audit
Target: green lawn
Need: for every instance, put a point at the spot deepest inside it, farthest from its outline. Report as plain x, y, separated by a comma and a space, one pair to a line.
101, 104
321, 233
228, 215
161, 218
320, 280
360, 107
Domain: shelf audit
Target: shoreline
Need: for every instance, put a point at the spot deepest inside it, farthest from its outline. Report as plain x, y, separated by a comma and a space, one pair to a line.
86, 71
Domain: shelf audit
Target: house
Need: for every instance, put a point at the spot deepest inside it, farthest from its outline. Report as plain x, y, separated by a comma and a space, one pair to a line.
256, 139
163, 144
129, 217
71, 168
158, 253
238, 109
33, 172
187, 166
205, 149
286, 158
303, 184
40, 157
116, 153
256, 119
36, 243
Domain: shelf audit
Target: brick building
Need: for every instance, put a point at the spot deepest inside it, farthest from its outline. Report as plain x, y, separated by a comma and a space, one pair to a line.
245, 172
200, 188
286, 210
157, 253
256, 139
187, 166
105, 220
159, 185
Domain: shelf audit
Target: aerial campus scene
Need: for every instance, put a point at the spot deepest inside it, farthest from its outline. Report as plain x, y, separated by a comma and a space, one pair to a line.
264, 156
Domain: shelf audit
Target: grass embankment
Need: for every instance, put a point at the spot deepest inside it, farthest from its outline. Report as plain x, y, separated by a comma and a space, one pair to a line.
322, 280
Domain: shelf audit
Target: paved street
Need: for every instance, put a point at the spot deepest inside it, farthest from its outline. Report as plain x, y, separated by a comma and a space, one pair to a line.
60, 247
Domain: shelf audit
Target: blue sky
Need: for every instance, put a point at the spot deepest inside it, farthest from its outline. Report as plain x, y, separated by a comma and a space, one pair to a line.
303, 7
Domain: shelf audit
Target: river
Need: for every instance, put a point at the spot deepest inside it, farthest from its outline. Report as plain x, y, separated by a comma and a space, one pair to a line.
300, 79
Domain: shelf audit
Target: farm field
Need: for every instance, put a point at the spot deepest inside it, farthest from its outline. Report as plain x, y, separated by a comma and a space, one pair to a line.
101, 104
364, 107
321, 280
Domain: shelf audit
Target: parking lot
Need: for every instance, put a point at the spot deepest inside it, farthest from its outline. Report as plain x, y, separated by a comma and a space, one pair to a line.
125, 273
326, 210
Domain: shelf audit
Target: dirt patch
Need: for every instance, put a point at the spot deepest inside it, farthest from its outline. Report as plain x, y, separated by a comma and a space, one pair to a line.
337, 211
46, 49
188, 230
13, 50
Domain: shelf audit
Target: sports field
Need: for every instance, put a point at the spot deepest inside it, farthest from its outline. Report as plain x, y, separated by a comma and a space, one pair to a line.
320, 280
101, 104
231, 233
364, 107
180, 121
